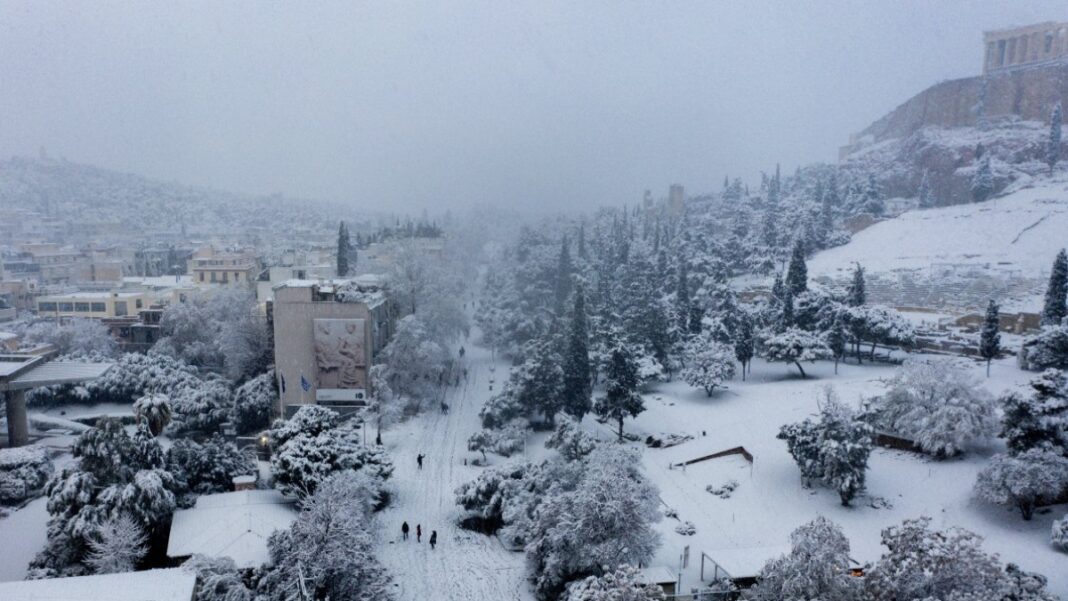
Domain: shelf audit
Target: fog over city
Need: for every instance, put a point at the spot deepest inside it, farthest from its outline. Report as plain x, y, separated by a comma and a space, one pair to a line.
423, 105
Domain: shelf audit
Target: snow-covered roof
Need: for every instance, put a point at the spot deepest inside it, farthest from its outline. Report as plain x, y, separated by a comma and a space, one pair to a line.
657, 575
232, 524
89, 295
173, 584
164, 281
57, 372
745, 562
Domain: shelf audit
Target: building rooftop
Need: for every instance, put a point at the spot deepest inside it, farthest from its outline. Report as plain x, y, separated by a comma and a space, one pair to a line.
16, 373
233, 524
174, 584
98, 295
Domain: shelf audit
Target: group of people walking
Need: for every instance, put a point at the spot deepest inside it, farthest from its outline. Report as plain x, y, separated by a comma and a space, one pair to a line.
419, 534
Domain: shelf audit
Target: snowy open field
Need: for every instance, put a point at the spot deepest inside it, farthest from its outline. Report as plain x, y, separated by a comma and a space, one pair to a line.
770, 501
1018, 234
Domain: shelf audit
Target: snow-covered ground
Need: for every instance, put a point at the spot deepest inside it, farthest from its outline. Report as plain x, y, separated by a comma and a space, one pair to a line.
1016, 235
466, 565
755, 522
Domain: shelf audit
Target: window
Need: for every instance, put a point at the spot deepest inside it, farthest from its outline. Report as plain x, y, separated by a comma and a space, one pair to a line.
46, 306
237, 276
68, 307
81, 307
213, 276
201, 276
100, 307
138, 303
120, 308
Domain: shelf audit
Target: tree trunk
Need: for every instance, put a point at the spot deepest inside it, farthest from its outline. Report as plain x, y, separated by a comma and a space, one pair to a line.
836, 366
988, 368
801, 369
621, 429
873, 352
1027, 509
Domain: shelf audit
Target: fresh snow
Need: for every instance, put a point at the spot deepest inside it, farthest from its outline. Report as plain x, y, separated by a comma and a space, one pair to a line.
174, 584
233, 524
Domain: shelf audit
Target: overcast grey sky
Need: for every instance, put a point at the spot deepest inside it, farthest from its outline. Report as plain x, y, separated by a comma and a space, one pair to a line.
411, 105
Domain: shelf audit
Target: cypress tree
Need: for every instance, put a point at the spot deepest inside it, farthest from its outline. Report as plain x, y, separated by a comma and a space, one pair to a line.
1056, 305
343, 249
836, 340
577, 385
744, 342
1053, 150
682, 295
923, 194
857, 295
563, 276
983, 180
797, 273
990, 337
621, 396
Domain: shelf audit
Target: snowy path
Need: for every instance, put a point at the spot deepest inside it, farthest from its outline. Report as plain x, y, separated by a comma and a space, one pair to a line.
466, 565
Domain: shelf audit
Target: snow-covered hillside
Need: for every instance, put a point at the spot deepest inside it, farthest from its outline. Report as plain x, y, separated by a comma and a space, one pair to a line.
958, 256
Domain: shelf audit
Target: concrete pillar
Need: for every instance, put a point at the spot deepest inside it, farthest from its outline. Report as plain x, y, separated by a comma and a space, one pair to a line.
18, 427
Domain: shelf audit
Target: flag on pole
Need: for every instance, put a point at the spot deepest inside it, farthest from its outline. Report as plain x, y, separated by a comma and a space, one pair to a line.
283, 381
304, 383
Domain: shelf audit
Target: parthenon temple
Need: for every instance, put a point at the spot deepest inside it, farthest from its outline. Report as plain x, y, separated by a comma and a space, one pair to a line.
1025, 46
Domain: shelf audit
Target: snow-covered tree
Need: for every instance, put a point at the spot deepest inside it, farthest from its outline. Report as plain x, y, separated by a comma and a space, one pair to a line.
331, 544
708, 363
621, 397
201, 468
415, 363
937, 404
857, 295
990, 335
624, 583
312, 446
983, 180
344, 247
218, 579
921, 563
833, 450
117, 546
794, 345
577, 387
570, 440
1038, 420
220, 332
1045, 350
77, 336
817, 567
254, 403
486, 497
203, 409
745, 342
155, 409
924, 195
607, 518
1023, 480
797, 272
1055, 307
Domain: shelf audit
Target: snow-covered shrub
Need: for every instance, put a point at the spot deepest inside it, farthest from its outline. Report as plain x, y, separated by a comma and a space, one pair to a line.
218, 579
686, 529
937, 404
312, 446
500, 409
708, 363
23, 472
1023, 480
329, 545
484, 498
569, 439
833, 450
624, 583
511, 439
723, 491
794, 346
208, 467
817, 567
1059, 533
254, 403
132, 376
1046, 350
155, 409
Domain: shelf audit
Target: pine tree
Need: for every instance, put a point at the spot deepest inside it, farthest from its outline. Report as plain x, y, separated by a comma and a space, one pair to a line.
1056, 306
983, 180
990, 338
582, 242
873, 200
682, 295
1053, 150
857, 295
621, 397
797, 273
836, 341
577, 385
343, 250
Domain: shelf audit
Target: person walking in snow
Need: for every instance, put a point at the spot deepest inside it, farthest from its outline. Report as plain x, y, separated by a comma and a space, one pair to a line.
433, 538
418, 533
462, 351
404, 530
419, 460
